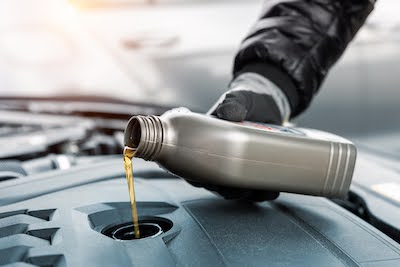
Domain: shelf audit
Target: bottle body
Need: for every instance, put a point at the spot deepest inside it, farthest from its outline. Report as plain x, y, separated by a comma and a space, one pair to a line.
208, 150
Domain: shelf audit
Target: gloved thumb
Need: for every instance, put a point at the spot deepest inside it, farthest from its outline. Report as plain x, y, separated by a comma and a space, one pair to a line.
252, 97
243, 105
233, 108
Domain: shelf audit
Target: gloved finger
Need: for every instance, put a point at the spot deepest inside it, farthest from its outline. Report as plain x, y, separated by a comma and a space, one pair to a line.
251, 195
250, 106
233, 193
232, 108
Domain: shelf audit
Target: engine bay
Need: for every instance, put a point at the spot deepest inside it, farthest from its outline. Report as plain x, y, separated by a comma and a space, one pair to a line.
64, 202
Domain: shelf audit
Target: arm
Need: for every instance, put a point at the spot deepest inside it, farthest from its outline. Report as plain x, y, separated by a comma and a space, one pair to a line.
295, 42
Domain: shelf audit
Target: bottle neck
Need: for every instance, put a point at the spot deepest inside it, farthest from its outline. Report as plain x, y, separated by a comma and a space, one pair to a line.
144, 134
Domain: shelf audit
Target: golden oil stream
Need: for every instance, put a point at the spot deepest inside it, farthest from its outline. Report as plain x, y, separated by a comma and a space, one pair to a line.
128, 155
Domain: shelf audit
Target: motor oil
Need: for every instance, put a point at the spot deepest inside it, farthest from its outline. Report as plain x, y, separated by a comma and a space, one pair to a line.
206, 149
128, 155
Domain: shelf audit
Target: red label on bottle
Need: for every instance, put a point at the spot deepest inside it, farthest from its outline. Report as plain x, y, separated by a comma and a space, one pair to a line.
271, 128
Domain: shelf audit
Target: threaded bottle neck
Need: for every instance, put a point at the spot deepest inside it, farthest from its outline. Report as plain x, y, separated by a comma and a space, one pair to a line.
145, 135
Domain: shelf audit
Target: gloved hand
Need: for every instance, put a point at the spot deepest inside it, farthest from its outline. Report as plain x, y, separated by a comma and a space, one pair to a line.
252, 98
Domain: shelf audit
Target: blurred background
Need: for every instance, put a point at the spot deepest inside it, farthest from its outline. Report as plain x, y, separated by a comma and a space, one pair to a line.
180, 53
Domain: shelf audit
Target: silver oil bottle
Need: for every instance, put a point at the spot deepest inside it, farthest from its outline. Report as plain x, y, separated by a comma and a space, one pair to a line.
248, 155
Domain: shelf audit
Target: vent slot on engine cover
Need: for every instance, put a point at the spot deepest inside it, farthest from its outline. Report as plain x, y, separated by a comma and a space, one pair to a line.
21, 230
20, 255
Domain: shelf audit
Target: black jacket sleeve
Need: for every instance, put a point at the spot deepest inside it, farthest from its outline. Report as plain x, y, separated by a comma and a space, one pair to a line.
295, 42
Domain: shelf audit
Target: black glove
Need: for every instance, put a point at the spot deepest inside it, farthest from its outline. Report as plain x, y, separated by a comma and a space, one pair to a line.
248, 106
252, 98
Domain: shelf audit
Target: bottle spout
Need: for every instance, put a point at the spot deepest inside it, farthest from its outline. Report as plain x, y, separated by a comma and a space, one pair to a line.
144, 134
132, 133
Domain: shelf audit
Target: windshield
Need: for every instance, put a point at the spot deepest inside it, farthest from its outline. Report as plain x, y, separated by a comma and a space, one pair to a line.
133, 53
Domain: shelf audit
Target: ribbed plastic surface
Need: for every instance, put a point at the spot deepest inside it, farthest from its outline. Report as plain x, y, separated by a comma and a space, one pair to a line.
59, 227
